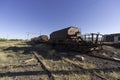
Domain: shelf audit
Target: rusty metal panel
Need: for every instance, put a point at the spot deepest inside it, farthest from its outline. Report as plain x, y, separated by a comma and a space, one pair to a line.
43, 38
65, 33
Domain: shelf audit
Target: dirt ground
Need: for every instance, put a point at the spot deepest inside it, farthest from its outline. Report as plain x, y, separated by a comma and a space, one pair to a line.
17, 62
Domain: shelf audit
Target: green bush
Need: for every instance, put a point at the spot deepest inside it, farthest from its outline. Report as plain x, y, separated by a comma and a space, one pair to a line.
3, 39
15, 40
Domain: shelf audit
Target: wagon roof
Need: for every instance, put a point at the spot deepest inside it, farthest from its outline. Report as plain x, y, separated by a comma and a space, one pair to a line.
65, 29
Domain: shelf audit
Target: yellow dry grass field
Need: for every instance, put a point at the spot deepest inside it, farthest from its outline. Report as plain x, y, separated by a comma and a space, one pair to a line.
17, 63
60, 67
6, 57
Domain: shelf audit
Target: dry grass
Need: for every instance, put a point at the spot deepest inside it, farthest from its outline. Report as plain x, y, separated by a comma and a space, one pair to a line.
108, 47
73, 76
114, 75
6, 58
65, 64
13, 61
111, 75
7, 44
57, 65
6, 78
82, 64
3, 57
62, 65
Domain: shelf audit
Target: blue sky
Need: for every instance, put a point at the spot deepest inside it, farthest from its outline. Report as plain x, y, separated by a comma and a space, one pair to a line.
19, 17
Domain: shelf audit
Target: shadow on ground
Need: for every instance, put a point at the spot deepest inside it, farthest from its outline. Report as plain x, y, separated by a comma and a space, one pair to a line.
45, 50
65, 72
115, 45
48, 52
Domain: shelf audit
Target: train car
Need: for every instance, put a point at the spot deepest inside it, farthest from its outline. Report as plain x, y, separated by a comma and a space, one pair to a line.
70, 38
66, 35
40, 39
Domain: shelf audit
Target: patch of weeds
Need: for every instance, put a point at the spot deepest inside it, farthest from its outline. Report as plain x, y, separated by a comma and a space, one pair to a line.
3, 57
21, 51
111, 75
73, 76
16, 40
10, 55
94, 53
6, 78
98, 53
85, 76
88, 65
83, 64
3, 47
9, 51
6, 58
3, 39
114, 75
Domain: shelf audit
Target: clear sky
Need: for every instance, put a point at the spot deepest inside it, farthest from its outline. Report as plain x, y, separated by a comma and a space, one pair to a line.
19, 17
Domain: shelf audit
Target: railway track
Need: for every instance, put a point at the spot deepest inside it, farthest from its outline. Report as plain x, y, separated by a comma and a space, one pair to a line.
83, 69
50, 75
38, 57
105, 58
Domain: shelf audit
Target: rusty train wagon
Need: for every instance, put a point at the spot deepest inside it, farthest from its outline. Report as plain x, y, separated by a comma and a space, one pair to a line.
67, 35
68, 38
40, 39
71, 38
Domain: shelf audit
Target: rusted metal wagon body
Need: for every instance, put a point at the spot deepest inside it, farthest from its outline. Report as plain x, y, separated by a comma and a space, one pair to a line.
65, 35
71, 38
42, 38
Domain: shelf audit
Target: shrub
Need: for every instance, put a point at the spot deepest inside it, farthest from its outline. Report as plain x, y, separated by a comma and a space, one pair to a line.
3, 39
15, 40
